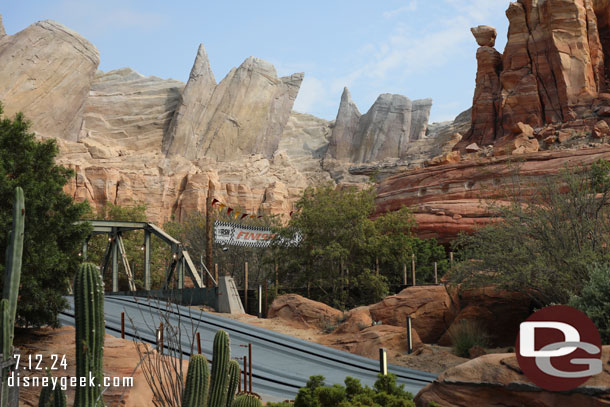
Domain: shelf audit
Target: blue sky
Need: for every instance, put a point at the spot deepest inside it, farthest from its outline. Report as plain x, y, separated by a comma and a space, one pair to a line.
417, 48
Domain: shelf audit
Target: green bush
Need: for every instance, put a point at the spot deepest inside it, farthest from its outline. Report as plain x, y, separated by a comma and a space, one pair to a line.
594, 299
385, 393
466, 334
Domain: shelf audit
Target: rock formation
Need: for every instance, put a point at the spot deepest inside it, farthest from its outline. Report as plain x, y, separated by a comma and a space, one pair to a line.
2, 32
47, 70
497, 380
385, 131
245, 114
553, 70
128, 111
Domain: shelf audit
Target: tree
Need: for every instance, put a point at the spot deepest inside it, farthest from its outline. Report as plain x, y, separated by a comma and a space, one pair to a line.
342, 245
594, 299
542, 243
52, 239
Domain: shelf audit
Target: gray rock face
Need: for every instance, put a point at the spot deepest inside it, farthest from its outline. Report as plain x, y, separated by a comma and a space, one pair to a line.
129, 111
2, 32
385, 131
47, 70
246, 114
188, 122
346, 127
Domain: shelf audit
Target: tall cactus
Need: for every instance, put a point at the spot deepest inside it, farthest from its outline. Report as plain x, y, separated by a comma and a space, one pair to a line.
12, 277
90, 329
52, 397
247, 400
234, 378
220, 370
197, 383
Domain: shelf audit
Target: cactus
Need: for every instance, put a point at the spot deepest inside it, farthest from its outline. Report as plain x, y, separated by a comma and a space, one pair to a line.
52, 398
234, 378
220, 372
197, 383
247, 400
90, 329
12, 277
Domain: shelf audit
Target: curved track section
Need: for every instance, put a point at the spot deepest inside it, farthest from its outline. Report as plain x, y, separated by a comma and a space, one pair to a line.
281, 364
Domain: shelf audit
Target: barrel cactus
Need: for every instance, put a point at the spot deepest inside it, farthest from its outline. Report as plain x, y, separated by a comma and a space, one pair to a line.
197, 383
90, 330
220, 370
247, 400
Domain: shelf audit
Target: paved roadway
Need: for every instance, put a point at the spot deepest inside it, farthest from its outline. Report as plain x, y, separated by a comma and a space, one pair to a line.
281, 364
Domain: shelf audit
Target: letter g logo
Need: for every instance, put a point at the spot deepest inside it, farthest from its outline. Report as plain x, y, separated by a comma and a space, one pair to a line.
554, 345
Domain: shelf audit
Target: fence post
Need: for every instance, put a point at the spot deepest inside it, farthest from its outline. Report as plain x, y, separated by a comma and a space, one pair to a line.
122, 325
216, 273
246, 288
260, 301
451, 259
198, 343
413, 267
250, 364
435, 273
383, 362
409, 335
404, 272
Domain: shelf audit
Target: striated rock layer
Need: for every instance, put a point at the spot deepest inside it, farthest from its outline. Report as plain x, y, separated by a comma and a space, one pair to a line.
554, 68
46, 73
455, 198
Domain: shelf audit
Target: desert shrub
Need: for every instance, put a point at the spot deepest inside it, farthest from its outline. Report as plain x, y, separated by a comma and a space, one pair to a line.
545, 236
466, 334
385, 393
594, 299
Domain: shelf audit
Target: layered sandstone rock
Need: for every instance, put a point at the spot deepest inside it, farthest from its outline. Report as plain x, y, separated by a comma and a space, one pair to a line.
129, 111
552, 69
454, 198
295, 308
2, 32
385, 131
245, 114
431, 308
47, 70
497, 380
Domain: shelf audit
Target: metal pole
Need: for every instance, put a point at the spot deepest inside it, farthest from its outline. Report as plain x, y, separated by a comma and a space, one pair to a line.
383, 362
209, 227
147, 260
122, 325
250, 364
246, 287
239, 381
85, 245
377, 265
409, 335
435, 273
413, 267
115, 265
265, 301
451, 259
160, 339
198, 343
277, 284
404, 272
216, 273
260, 301
245, 374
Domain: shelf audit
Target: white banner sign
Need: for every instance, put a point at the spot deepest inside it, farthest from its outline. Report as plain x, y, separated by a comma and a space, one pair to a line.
231, 234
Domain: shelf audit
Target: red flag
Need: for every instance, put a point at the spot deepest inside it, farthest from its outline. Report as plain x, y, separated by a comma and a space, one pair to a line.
229, 211
243, 216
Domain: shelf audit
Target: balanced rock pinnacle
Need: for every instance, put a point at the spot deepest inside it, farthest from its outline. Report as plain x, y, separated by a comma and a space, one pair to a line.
187, 121
485, 35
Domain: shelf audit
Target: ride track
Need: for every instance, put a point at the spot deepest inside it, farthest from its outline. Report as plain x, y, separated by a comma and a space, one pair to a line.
281, 364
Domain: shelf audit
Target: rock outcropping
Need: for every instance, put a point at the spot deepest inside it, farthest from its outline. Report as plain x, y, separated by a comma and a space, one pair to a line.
554, 68
47, 71
385, 131
245, 114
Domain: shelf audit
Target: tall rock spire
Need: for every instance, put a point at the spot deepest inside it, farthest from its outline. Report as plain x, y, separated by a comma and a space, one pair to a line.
2, 32
187, 121
346, 127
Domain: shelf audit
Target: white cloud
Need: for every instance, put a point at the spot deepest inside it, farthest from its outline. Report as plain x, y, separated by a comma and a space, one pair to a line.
412, 6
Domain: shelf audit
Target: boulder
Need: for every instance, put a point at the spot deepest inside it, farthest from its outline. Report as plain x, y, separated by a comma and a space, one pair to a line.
522, 144
498, 312
451, 157
431, 308
47, 70
368, 341
355, 321
485, 35
563, 136
601, 129
497, 380
295, 308
472, 148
